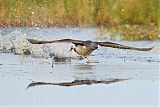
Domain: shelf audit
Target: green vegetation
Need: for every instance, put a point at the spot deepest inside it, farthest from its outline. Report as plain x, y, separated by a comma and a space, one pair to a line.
80, 13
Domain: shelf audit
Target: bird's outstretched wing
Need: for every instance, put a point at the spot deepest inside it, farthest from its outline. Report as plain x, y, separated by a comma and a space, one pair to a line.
76, 42
80, 42
115, 45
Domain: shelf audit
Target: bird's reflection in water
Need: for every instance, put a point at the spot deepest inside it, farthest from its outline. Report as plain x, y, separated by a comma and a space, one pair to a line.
86, 67
76, 82
84, 75
84, 72
61, 60
65, 59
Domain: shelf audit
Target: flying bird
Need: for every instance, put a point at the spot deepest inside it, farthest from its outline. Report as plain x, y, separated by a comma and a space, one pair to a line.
85, 48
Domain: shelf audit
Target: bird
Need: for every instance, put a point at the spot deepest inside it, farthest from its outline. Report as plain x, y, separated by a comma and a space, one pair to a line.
85, 47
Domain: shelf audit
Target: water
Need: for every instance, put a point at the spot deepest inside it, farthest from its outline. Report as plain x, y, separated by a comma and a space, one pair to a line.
139, 71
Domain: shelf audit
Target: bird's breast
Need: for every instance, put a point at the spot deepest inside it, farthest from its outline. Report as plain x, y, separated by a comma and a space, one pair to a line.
83, 50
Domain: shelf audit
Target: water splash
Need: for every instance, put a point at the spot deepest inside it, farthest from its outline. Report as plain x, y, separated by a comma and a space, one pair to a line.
16, 42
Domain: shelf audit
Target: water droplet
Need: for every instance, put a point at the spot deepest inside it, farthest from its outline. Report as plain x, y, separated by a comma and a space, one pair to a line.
122, 10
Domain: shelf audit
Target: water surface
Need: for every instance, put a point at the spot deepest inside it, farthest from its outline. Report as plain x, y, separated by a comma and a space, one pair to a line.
138, 70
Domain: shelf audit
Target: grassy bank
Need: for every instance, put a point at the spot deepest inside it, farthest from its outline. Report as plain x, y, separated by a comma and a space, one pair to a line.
121, 16
63, 13
131, 32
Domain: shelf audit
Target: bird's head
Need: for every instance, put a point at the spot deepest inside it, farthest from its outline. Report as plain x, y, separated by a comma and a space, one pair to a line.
91, 45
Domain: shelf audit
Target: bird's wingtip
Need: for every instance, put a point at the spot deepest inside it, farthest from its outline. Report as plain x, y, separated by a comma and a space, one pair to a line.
29, 40
150, 48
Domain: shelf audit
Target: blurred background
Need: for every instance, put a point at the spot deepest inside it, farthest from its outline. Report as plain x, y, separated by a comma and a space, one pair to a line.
131, 19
